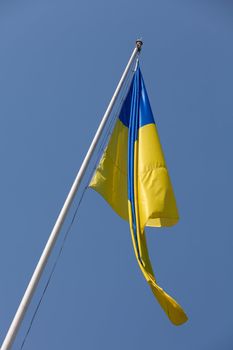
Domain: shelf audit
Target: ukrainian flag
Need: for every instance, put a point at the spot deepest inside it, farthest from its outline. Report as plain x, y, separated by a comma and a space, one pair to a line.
133, 178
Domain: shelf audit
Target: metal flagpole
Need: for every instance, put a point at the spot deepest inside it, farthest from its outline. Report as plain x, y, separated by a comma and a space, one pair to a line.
11, 334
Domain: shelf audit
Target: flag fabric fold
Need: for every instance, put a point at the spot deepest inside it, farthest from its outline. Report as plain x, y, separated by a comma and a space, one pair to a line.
133, 178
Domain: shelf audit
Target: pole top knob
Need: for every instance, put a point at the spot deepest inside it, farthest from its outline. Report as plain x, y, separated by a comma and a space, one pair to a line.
139, 44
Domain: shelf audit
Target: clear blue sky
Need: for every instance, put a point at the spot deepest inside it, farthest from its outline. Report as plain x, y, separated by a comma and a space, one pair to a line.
60, 63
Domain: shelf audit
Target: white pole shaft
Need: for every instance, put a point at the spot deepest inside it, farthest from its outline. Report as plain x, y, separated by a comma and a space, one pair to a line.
11, 334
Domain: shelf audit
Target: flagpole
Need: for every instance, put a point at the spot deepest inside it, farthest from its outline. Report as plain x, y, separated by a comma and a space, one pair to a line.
14, 327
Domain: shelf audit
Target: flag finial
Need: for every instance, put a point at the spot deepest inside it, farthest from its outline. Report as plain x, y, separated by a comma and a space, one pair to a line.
139, 44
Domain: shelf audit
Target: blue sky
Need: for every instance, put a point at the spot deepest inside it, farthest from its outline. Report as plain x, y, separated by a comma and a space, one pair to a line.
60, 63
